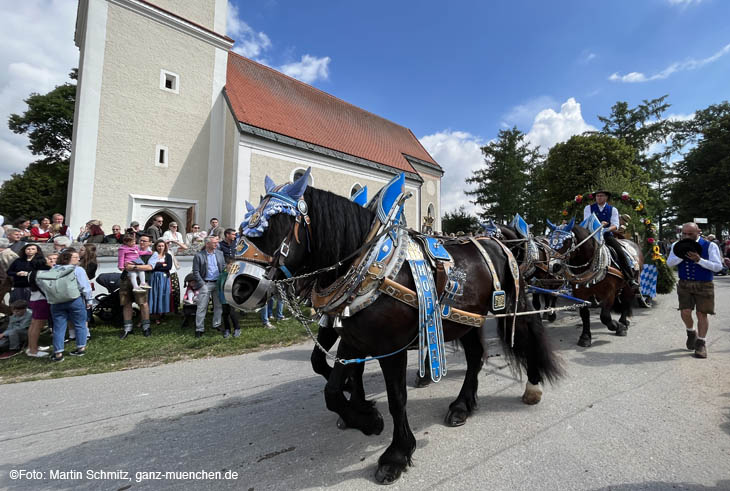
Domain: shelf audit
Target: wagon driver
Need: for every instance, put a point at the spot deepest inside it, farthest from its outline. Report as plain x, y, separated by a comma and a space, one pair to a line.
608, 216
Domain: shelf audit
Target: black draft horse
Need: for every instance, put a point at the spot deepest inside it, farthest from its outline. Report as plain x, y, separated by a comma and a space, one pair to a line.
613, 291
338, 229
545, 272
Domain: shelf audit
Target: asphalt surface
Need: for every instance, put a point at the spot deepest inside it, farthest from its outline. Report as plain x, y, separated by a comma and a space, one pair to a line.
633, 413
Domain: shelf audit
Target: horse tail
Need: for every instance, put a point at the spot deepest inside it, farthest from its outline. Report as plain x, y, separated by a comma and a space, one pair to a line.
532, 351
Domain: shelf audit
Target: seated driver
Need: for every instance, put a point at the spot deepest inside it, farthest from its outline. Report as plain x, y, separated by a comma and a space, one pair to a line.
608, 216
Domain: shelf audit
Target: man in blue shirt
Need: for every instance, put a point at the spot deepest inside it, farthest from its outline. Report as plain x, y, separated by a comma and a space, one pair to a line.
695, 289
208, 264
608, 216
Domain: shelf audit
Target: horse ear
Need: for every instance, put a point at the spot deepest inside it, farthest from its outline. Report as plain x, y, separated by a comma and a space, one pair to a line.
570, 224
296, 189
551, 224
269, 184
250, 207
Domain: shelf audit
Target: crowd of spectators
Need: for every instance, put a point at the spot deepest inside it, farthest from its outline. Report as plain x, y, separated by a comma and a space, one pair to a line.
148, 269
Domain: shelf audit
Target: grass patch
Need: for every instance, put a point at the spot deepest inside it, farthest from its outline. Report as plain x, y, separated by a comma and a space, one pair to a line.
168, 343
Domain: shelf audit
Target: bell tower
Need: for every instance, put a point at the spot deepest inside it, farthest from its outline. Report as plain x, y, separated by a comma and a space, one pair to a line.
149, 126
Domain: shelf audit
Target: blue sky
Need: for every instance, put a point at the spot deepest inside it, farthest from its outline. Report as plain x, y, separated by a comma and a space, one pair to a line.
456, 75
453, 72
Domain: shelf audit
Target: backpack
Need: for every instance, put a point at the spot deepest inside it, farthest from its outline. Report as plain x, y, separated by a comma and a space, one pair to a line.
59, 285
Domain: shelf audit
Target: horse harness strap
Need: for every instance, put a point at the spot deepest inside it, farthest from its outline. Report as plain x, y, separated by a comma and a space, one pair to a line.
409, 297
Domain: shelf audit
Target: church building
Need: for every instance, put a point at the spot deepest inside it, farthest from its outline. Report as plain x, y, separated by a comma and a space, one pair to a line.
169, 120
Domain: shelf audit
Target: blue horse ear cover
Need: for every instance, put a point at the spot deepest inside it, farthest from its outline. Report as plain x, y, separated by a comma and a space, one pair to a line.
269, 184
296, 189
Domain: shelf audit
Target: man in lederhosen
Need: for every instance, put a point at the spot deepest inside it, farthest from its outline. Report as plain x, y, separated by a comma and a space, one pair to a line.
695, 289
608, 216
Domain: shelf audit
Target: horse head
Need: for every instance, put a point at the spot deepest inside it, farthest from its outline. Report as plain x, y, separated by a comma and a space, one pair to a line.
272, 243
560, 236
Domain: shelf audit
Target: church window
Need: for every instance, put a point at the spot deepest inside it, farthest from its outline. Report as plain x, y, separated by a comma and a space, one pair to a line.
169, 81
161, 156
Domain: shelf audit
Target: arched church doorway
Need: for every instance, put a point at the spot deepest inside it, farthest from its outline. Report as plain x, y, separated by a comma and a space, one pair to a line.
167, 217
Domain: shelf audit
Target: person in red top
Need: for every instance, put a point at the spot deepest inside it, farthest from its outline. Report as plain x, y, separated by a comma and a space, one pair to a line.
41, 232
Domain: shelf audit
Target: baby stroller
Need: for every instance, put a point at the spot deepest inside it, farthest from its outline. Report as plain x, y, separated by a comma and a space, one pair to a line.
106, 305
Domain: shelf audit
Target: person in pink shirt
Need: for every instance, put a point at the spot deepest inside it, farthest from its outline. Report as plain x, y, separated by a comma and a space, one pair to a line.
129, 253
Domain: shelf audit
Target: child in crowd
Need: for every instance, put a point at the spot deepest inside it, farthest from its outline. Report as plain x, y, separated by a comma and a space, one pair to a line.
190, 301
129, 253
16, 334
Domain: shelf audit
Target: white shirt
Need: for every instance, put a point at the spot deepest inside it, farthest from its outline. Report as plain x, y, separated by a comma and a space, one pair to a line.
177, 237
714, 263
614, 214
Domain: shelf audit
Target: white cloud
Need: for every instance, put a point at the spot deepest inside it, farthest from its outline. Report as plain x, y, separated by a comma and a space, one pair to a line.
550, 127
690, 64
249, 43
523, 115
37, 52
309, 69
254, 45
459, 153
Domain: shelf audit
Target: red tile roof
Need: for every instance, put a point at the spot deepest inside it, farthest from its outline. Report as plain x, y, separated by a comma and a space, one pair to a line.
267, 99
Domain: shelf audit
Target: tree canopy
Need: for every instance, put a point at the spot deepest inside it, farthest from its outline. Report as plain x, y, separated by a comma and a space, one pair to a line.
459, 221
501, 185
48, 122
702, 177
576, 166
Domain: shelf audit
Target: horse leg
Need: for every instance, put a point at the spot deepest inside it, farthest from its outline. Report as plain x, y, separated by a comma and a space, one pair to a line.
466, 401
611, 324
552, 301
398, 454
627, 296
585, 337
424, 381
364, 417
533, 391
326, 337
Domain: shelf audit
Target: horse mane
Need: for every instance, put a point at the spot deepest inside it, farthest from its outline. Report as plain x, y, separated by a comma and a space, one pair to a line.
338, 227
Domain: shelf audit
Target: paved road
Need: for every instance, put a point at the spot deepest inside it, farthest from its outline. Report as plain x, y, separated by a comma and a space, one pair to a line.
634, 413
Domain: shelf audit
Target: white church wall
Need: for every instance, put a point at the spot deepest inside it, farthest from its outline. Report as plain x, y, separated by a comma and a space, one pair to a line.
280, 161
136, 115
200, 12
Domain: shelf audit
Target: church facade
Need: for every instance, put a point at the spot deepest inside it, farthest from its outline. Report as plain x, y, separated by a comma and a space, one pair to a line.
170, 121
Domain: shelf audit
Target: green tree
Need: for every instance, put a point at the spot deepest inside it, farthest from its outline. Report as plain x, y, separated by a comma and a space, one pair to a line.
641, 127
573, 167
700, 189
42, 187
459, 221
501, 184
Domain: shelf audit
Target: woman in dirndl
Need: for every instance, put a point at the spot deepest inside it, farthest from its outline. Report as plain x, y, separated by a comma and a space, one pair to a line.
159, 296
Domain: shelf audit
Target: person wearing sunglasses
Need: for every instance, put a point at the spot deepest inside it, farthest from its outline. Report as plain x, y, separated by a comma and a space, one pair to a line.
115, 237
196, 236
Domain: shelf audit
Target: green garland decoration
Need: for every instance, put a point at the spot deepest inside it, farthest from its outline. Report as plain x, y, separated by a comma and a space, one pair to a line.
665, 278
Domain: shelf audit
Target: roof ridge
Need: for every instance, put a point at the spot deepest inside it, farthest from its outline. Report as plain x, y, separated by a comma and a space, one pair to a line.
321, 91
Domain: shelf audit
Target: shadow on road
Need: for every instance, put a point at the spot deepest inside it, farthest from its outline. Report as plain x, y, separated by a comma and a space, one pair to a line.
241, 434
663, 486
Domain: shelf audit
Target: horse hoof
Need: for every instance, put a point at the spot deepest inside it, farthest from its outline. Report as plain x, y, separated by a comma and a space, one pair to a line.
456, 418
613, 326
341, 424
422, 382
552, 317
584, 342
622, 331
532, 395
388, 474
375, 427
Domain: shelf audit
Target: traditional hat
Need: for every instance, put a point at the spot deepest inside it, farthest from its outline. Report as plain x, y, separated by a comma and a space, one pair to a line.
682, 247
607, 193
